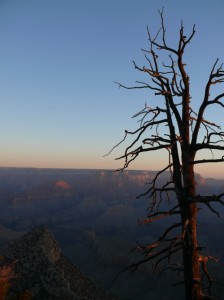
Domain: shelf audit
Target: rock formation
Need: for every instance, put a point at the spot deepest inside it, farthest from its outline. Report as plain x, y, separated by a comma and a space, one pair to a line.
42, 270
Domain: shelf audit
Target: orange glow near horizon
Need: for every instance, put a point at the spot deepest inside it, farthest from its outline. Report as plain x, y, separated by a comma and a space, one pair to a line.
205, 170
75, 160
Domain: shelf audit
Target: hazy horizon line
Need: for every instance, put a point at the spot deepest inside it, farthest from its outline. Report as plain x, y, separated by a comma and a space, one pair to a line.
99, 169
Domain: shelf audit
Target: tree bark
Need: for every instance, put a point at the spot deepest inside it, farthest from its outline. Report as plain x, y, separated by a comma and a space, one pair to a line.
193, 287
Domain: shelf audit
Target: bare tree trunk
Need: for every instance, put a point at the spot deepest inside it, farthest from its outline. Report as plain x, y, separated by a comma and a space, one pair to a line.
193, 287
182, 141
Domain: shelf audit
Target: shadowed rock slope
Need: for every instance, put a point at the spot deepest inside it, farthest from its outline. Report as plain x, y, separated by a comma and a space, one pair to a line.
42, 270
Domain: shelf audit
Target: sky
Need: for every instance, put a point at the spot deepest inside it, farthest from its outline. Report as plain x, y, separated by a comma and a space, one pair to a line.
59, 105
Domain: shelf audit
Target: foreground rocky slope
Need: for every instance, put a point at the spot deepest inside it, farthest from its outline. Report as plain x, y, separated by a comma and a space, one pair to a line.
42, 270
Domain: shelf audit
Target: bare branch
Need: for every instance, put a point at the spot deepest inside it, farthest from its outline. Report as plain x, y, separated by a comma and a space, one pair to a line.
146, 86
159, 215
183, 128
207, 199
211, 81
205, 161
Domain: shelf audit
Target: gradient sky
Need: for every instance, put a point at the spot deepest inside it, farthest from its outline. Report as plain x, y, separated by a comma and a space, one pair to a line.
58, 63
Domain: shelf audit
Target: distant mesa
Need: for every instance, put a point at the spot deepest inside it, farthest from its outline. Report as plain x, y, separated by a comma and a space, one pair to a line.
62, 184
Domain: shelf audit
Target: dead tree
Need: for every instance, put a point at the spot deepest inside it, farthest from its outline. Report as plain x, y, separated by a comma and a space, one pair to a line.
184, 134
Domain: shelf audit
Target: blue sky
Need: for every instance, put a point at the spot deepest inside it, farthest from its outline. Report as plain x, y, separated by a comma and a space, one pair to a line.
58, 63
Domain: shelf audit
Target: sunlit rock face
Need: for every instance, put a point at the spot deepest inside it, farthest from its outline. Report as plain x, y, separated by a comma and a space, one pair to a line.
43, 271
62, 184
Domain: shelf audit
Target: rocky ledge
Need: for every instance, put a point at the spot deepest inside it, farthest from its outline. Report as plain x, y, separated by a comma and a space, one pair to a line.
43, 271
